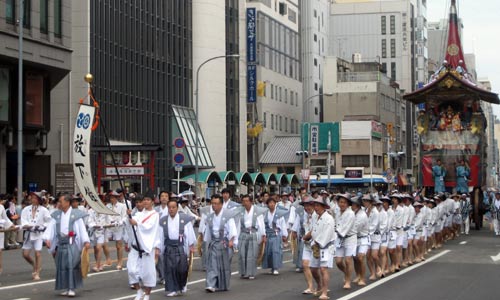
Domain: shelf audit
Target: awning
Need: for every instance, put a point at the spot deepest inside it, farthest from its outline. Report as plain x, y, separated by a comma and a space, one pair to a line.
270, 178
204, 177
227, 175
258, 178
293, 179
282, 179
184, 125
244, 178
339, 179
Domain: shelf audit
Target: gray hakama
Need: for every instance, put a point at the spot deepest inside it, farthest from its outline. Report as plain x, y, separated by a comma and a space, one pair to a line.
218, 267
176, 266
249, 249
68, 272
273, 256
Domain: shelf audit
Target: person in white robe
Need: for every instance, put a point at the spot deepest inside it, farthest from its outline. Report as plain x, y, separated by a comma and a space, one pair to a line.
346, 242
65, 238
363, 240
322, 237
34, 219
97, 224
142, 256
5, 226
116, 232
372, 257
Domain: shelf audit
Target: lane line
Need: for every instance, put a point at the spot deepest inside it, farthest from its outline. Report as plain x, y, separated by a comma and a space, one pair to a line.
463, 243
53, 280
395, 275
188, 284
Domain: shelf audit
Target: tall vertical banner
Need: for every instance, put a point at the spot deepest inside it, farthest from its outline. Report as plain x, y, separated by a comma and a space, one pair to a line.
251, 83
81, 159
251, 35
314, 140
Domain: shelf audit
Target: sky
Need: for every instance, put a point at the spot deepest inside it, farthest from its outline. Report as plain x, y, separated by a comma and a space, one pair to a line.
481, 34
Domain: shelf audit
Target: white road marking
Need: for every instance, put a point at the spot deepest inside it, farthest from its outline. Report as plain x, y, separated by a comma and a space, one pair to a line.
463, 243
395, 275
496, 257
52, 280
188, 284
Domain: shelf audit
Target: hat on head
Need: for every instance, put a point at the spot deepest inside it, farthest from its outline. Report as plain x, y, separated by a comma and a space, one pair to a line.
497, 192
377, 201
407, 196
368, 197
119, 190
455, 195
345, 196
396, 196
356, 200
114, 194
418, 204
324, 192
39, 195
385, 198
76, 197
284, 194
322, 202
306, 200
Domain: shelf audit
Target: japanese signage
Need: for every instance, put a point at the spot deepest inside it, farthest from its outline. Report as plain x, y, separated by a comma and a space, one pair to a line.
376, 129
125, 171
252, 83
314, 139
251, 35
81, 159
65, 179
321, 132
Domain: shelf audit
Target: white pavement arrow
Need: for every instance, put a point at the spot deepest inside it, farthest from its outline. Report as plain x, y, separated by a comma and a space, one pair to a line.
496, 258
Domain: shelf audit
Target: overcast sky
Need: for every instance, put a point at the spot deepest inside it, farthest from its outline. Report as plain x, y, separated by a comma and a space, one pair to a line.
481, 20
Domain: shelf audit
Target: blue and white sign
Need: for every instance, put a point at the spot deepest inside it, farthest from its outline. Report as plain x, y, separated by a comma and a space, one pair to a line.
314, 139
251, 35
251, 83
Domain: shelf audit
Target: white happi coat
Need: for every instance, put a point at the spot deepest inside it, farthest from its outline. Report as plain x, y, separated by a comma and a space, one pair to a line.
32, 216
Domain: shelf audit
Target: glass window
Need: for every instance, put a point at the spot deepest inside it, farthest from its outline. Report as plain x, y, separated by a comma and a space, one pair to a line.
10, 11
286, 95
383, 24
286, 124
280, 95
272, 121
393, 70
393, 24
44, 16
265, 120
33, 114
281, 123
58, 18
384, 48
393, 48
4, 94
291, 126
291, 97
27, 14
272, 91
296, 99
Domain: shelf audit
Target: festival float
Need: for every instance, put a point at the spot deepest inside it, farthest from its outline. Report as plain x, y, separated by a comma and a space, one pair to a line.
452, 126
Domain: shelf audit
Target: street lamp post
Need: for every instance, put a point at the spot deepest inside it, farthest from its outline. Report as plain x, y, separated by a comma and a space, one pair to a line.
306, 104
20, 108
197, 127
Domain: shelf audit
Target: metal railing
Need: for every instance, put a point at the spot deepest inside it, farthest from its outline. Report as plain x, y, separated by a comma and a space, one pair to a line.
362, 77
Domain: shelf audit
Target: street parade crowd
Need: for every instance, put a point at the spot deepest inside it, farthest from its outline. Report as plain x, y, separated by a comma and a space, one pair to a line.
367, 236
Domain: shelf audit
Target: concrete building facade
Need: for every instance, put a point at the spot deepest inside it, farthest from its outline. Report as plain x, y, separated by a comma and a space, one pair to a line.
46, 63
278, 66
314, 24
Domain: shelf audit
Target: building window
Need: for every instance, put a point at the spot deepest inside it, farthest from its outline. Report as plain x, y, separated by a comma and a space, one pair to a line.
355, 161
393, 48
280, 94
264, 120
4, 94
296, 126
44, 16
393, 70
315, 86
281, 123
27, 14
384, 48
384, 68
291, 126
272, 121
286, 124
315, 37
292, 16
315, 13
403, 114
58, 18
10, 11
296, 99
33, 114
315, 62
276, 125
383, 24
291, 98
393, 24
272, 91
286, 95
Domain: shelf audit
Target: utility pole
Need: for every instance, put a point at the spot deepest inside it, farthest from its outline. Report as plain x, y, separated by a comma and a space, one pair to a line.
20, 100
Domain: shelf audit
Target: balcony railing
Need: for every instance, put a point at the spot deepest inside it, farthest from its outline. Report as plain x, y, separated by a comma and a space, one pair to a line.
362, 77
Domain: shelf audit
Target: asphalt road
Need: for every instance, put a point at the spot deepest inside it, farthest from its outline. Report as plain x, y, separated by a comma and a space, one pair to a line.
463, 269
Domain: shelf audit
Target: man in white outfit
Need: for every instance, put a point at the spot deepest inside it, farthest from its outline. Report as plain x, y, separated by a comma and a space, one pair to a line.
141, 258
346, 242
34, 219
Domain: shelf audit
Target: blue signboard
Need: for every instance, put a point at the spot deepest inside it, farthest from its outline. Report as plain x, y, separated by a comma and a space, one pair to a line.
251, 35
252, 83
